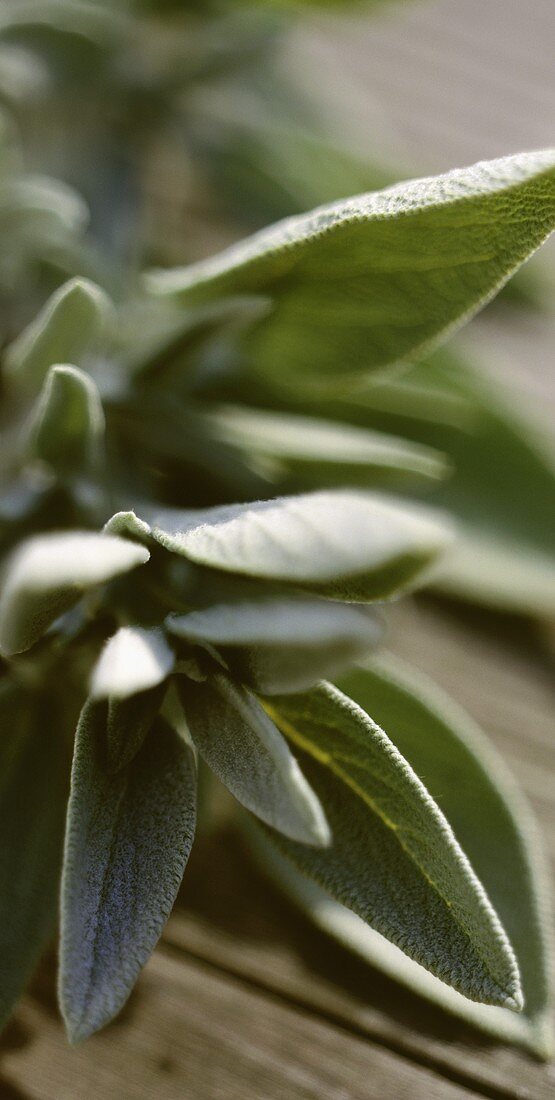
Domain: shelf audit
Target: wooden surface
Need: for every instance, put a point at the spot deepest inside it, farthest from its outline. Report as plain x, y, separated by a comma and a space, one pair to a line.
244, 1000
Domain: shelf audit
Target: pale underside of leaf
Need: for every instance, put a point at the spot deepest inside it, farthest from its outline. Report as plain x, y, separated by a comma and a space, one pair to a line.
347, 545
49, 573
133, 660
319, 450
280, 645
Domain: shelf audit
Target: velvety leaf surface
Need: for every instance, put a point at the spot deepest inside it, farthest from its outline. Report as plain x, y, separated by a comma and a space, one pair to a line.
247, 752
489, 817
394, 859
68, 326
49, 573
133, 660
379, 278
346, 545
68, 423
128, 839
34, 769
278, 645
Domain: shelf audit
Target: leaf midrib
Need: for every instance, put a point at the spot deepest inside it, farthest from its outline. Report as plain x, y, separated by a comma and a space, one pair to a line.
330, 761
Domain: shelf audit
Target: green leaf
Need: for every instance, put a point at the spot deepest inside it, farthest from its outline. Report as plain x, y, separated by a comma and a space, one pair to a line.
33, 792
131, 675
345, 545
245, 750
133, 660
40, 211
70, 324
380, 278
501, 496
93, 20
279, 645
47, 574
491, 821
394, 859
68, 423
502, 486
310, 452
128, 839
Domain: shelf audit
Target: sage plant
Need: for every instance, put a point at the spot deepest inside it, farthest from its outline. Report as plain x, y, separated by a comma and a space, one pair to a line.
195, 563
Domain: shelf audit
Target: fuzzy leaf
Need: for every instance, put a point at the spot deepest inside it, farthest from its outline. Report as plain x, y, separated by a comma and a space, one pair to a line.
48, 574
491, 821
380, 278
133, 660
311, 451
394, 859
128, 839
277, 645
68, 424
245, 750
346, 545
33, 792
70, 324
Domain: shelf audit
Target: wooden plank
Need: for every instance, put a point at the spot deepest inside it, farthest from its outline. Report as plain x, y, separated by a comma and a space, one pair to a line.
190, 1033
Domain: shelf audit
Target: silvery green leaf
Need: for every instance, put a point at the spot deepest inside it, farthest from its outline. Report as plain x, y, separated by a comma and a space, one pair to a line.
128, 838
380, 278
68, 423
501, 496
69, 325
502, 486
347, 545
247, 752
281, 645
133, 660
33, 793
40, 211
394, 859
47, 574
127, 723
491, 821
311, 451
127, 525
83, 17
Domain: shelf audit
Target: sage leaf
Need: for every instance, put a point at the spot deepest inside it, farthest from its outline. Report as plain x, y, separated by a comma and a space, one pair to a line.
133, 660
131, 675
47, 574
394, 859
128, 722
504, 552
242, 746
128, 839
357, 285
280, 645
346, 545
33, 792
68, 423
309, 451
491, 821
70, 324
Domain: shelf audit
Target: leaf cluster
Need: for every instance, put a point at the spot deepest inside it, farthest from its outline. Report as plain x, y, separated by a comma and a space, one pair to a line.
211, 486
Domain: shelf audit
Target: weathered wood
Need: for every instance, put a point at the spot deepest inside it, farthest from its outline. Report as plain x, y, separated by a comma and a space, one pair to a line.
191, 1033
